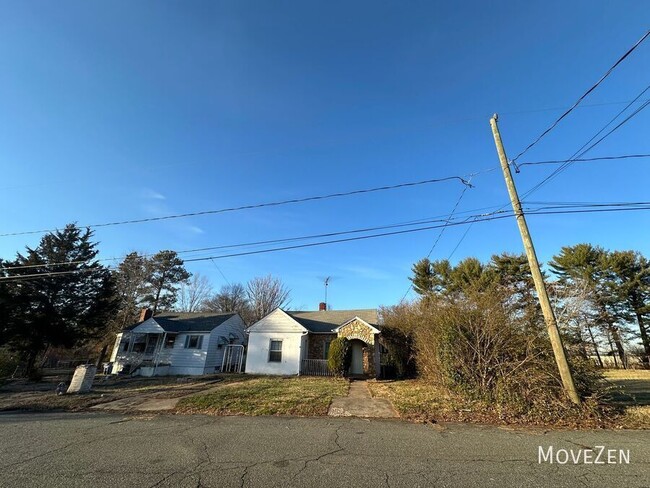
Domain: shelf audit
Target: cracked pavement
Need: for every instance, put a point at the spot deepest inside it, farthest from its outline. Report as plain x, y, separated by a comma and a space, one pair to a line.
99, 449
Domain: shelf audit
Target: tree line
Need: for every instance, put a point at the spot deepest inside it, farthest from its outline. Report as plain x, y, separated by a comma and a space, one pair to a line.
59, 294
601, 297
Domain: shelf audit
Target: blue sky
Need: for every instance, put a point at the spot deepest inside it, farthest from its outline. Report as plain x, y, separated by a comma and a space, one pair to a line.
121, 110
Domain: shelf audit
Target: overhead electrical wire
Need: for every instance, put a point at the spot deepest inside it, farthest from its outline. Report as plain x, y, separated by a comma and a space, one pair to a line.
462, 179
584, 160
582, 97
442, 231
436, 219
581, 152
636, 206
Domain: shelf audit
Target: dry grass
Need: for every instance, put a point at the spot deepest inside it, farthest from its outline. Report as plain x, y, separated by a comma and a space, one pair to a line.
300, 396
627, 374
422, 401
419, 400
41, 396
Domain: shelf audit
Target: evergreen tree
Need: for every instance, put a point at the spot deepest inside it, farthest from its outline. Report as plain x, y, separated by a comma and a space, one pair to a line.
64, 306
631, 285
130, 281
165, 272
587, 266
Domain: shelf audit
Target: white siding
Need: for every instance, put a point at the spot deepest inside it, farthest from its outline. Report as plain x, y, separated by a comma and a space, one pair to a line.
277, 321
257, 358
275, 326
234, 325
188, 361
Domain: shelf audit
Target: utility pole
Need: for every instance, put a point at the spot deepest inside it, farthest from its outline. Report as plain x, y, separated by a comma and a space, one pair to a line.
547, 310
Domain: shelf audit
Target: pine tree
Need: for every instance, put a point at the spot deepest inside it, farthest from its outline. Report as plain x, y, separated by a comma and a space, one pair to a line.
62, 309
165, 272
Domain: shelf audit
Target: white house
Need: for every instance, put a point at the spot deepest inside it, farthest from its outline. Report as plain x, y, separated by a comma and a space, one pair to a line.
178, 343
297, 342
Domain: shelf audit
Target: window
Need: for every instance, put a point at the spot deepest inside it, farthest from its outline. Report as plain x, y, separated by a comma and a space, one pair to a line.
193, 341
275, 351
170, 341
326, 348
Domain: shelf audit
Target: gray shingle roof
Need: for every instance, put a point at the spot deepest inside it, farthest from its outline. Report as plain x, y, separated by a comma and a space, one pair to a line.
328, 320
188, 322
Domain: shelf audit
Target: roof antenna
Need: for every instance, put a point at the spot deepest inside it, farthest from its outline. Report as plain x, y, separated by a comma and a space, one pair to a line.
327, 282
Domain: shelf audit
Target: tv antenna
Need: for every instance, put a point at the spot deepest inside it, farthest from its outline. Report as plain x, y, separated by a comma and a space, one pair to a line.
327, 282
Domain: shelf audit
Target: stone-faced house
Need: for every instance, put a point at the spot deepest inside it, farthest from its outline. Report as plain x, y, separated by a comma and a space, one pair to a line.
297, 342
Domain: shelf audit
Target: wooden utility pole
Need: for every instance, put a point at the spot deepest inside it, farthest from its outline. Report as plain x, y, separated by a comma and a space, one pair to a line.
547, 310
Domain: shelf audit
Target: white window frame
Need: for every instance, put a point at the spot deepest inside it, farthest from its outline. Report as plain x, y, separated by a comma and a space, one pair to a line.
199, 341
271, 351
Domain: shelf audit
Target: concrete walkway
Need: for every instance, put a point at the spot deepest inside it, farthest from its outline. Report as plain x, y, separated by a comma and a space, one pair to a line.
359, 403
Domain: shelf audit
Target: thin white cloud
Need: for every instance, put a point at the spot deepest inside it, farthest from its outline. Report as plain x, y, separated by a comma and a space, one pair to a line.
150, 194
195, 229
367, 272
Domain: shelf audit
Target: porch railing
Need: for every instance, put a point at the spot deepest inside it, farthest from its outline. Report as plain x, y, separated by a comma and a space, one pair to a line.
314, 367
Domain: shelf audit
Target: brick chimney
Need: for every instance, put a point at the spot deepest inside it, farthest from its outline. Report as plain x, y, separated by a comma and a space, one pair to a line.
145, 314
322, 306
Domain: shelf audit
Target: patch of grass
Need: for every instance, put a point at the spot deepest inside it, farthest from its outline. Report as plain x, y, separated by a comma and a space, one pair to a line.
302, 396
635, 418
415, 399
41, 396
627, 374
420, 400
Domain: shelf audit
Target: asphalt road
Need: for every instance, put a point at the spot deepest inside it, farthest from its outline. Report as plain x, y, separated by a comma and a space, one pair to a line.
97, 450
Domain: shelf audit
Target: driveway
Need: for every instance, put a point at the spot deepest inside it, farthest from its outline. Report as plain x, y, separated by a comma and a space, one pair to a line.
107, 450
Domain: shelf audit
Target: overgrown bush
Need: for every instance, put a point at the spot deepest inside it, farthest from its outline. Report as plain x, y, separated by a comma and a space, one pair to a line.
480, 346
339, 356
8, 363
397, 339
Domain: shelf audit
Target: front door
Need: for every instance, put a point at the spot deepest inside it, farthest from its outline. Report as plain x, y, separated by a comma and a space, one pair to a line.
356, 366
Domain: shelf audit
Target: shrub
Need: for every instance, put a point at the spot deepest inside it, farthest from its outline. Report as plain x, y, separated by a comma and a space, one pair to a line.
8, 363
397, 339
339, 356
480, 346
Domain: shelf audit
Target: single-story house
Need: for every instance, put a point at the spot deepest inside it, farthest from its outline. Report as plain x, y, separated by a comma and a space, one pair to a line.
297, 342
172, 343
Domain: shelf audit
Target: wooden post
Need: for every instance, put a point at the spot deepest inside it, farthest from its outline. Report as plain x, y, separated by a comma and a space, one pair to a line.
547, 309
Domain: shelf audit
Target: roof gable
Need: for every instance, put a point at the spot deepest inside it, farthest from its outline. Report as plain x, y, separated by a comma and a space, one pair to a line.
277, 321
375, 330
149, 326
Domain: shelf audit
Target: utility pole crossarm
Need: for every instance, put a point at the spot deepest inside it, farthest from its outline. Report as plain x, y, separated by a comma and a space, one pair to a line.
545, 303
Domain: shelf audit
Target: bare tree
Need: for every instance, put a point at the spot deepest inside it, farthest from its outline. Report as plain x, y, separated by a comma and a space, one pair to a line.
193, 293
265, 294
230, 298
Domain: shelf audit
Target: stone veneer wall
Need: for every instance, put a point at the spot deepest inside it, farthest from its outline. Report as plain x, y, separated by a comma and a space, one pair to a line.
358, 330
316, 345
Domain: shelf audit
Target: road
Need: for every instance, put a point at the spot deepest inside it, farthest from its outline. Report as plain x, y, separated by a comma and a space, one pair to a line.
106, 450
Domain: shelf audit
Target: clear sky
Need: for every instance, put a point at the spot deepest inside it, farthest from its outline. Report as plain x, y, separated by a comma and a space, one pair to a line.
120, 110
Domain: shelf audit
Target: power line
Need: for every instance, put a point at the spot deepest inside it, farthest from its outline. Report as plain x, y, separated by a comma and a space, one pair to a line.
582, 97
435, 243
462, 179
583, 152
469, 220
583, 160
431, 220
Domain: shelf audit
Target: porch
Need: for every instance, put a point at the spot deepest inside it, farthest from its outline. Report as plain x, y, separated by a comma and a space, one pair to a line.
148, 353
